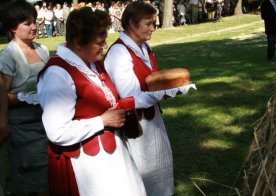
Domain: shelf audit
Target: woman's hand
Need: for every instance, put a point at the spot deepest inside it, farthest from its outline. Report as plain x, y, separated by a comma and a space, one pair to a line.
113, 118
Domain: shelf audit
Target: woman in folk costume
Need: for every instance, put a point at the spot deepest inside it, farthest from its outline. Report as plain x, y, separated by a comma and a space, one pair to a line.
87, 155
20, 62
128, 62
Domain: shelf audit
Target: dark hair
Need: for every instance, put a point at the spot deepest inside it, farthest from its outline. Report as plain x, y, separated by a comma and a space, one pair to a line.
17, 12
136, 11
85, 25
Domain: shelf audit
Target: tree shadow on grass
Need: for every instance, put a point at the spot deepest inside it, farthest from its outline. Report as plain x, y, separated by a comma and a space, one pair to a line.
211, 129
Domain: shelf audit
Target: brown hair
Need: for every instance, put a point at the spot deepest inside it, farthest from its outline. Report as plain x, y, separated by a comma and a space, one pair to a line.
85, 25
136, 11
15, 13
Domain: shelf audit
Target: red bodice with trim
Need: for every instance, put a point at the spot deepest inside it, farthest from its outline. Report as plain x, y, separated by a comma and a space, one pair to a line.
141, 71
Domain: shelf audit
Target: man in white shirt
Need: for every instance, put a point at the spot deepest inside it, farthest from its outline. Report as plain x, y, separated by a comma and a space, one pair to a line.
40, 21
66, 11
194, 6
49, 21
181, 11
59, 20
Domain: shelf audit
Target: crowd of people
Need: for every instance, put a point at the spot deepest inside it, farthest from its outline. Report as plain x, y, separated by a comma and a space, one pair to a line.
59, 115
51, 20
195, 11
52, 16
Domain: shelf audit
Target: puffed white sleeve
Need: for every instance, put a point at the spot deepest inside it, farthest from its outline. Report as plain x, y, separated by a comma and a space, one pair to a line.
118, 64
57, 96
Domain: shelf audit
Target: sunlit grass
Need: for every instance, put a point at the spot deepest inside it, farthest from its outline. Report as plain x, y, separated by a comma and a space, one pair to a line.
217, 144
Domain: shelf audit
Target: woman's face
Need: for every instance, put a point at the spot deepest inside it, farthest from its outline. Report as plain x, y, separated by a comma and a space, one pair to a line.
142, 32
25, 30
93, 51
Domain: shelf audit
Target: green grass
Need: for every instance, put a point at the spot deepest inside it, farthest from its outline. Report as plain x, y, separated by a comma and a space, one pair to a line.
211, 129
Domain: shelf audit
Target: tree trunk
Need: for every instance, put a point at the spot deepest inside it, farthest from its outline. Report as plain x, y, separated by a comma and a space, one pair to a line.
168, 12
238, 8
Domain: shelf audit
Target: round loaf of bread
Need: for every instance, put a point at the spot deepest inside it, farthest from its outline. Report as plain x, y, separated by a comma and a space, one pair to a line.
167, 79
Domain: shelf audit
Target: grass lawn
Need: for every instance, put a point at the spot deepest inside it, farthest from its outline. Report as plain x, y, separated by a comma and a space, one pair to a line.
211, 129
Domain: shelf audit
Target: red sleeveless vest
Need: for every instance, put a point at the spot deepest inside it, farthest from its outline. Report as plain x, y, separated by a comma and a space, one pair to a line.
141, 71
91, 102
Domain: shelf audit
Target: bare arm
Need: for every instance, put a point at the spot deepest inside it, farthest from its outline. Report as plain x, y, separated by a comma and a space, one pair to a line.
4, 128
12, 98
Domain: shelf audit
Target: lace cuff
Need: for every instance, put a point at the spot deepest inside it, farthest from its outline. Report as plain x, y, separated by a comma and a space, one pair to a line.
172, 92
29, 97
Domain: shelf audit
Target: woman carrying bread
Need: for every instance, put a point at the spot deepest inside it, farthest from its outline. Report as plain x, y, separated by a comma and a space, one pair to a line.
87, 155
128, 62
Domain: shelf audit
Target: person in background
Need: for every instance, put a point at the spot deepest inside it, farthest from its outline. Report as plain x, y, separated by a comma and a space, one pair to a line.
200, 10
268, 14
219, 6
73, 6
20, 62
175, 18
128, 62
99, 6
87, 154
66, 11
181, 12
161, 12
226, 7
194, 7
210, 6
4, 132
117, 14
111, 14
157, 23
82, 4
49, 17
59, 20
40, 21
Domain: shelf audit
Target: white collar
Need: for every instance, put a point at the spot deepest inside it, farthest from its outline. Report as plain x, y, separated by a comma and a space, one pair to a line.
69, 56
141, 52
